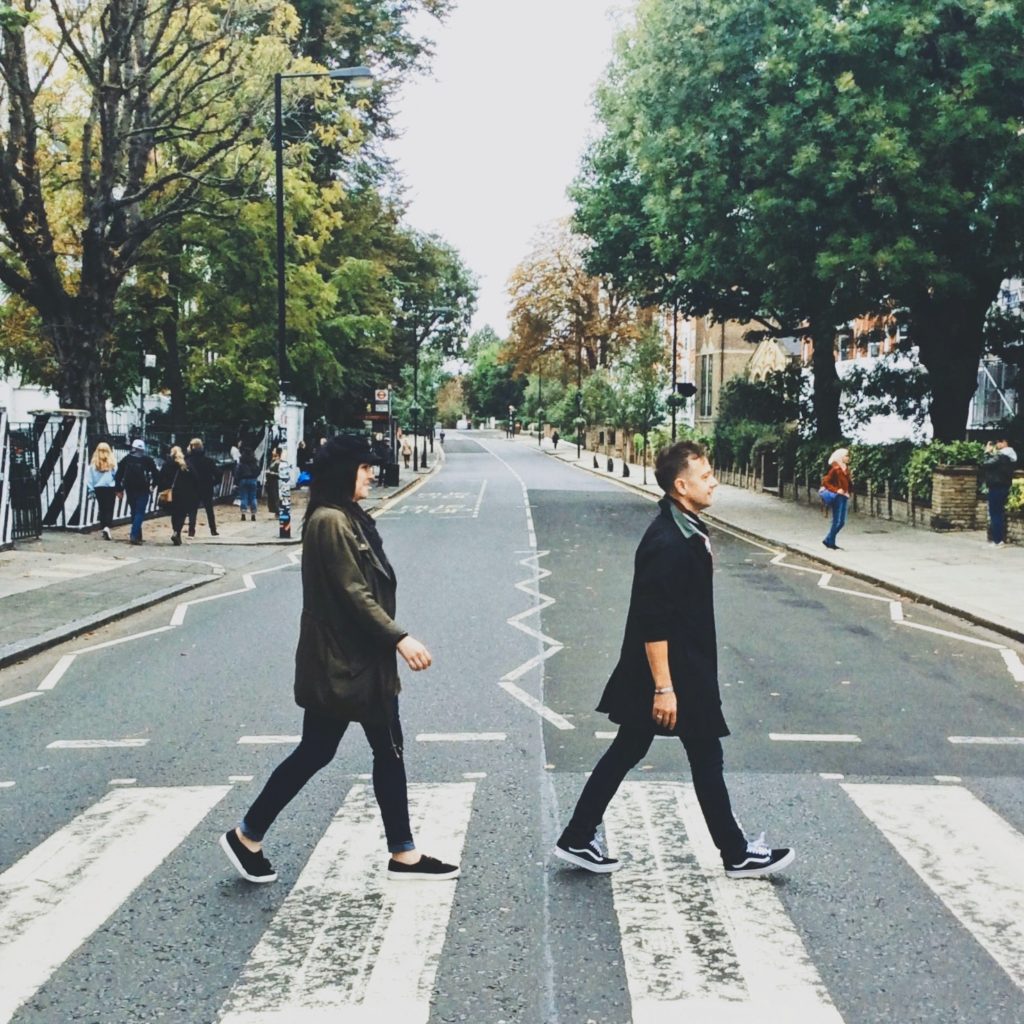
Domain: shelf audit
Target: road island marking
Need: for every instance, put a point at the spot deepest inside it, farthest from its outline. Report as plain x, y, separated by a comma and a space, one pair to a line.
58, 894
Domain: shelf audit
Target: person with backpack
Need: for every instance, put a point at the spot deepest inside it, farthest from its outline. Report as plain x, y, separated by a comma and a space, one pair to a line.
136, 475
247, 471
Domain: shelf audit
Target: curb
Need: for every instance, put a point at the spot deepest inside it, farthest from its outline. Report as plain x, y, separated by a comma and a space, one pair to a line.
25, 649
896, 588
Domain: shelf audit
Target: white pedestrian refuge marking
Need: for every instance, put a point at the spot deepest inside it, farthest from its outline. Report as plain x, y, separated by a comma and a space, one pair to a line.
696, 945
57, 895
965, 853
347, 945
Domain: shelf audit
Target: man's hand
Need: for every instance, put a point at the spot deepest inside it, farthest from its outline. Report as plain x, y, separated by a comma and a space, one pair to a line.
416, 656
664, 711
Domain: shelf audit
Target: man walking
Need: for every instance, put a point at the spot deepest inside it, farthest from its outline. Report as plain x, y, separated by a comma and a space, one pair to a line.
205, 471
998, 463
136, 477
666, 681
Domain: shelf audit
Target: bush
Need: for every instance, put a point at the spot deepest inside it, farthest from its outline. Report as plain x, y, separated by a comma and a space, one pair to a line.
734, 442
881, 464
1015, 503
923, 461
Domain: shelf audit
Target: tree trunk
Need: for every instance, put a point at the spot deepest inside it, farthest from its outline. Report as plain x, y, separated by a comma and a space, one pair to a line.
79, 347
827, 389
174, 377
948, 335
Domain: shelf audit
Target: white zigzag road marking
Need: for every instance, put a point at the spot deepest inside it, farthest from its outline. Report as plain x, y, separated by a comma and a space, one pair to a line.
1010, 657
177, 619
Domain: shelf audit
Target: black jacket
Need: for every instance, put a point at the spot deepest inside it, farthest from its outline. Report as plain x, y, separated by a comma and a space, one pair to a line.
205, 471
247, 468
136, 473
671, 600
183, 483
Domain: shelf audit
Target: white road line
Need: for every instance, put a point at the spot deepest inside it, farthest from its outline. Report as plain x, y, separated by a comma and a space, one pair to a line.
810, 737
53, 677
7, 785
947, 778
831, 776
240, 778
460, 737
696, 945
963, 638
121, 640
122, 782
474, 775
93, 744
545, 712
256, 740
1013, 664
347, 944
17, 700
965, 853
480, 498
57, 895
988, 741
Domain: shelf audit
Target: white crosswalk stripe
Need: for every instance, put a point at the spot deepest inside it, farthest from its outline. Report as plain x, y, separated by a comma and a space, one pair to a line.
346, 944
696, 945
964, 852
57, 895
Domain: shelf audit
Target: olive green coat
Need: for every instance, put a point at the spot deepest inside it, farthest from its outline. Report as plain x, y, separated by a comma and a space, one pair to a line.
346, 665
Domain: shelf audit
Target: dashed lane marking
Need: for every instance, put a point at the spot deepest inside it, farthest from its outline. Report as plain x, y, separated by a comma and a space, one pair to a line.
94, 744
257, 740
811, 737
461, 737
988, 741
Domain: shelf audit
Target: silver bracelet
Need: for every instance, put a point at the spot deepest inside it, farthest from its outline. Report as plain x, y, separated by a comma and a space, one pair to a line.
664, 689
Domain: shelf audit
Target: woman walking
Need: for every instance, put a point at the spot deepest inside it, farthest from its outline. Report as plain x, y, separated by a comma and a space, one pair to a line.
176, 476
345, 665
247, 471
100, 484
837, 480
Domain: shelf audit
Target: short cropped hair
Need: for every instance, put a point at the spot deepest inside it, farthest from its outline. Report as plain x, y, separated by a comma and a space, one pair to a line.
673, 460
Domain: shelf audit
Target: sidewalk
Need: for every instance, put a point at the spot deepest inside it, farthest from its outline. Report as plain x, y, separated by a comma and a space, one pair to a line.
67, 582
957, 572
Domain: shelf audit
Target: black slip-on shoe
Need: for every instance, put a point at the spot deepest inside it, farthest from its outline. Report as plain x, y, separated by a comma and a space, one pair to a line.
253, 867
426, 869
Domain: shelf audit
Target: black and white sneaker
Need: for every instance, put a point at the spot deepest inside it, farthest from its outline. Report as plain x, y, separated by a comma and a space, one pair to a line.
590, 856
759, 860
426, 869
253, 867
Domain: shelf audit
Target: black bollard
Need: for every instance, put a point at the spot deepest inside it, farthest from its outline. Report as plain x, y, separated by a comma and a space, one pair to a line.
595, 462
611, 464
625, 469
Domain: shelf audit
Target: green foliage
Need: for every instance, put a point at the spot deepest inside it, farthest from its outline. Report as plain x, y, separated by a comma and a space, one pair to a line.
924, 460
489, 386
1015, 502
882, 464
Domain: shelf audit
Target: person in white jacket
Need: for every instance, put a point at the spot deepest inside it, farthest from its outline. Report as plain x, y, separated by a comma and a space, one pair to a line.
99, 482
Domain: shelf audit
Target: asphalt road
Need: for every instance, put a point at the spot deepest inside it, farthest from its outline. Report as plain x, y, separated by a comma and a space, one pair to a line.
904, 903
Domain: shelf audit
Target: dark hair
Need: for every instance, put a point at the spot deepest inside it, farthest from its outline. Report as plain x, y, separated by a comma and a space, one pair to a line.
332, 479
672, 462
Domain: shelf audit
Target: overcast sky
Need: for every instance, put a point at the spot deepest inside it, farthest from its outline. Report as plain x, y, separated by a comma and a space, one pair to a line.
492, 138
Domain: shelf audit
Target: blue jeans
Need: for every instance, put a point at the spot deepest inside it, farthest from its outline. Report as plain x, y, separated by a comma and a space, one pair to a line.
138, 502
838, 518
247, 494
316, 750
629, 746
997, 513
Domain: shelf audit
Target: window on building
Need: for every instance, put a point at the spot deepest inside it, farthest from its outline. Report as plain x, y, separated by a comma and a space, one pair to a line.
707, 371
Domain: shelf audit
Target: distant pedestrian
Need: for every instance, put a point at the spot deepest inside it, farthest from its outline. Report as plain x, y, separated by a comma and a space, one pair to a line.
838, 483
345, 666
382, 450
441, 438
99, 482
302, 457
272, 487
247, 472
136, 476
206, 473
176, 476
998, 464
555, 438
666, 680
406, 453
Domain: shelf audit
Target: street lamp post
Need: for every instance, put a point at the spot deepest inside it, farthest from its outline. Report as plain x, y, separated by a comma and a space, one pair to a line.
359, 77
540, 402
578, 424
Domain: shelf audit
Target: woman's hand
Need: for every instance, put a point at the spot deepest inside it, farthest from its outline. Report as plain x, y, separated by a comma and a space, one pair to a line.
664, 711
416, 656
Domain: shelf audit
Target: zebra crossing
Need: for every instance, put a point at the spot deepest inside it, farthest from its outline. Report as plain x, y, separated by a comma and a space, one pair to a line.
344, 944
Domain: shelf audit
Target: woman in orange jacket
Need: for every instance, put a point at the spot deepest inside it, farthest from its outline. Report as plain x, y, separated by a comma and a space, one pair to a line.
837, 480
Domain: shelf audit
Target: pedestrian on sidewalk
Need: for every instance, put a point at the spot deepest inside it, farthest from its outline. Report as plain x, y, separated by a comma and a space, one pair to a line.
99, 482
666, 680
838, 482
177, 477
998, 465
247, 471
272, 488
205, 471
136, 476
406, 453
345, 665
555, 438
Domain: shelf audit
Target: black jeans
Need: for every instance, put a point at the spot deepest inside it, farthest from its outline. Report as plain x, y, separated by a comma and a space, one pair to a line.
105, 497
211, 521
627, 749
316, 750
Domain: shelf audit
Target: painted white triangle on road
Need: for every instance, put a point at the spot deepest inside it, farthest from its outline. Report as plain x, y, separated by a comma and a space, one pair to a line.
347, 944
58, 894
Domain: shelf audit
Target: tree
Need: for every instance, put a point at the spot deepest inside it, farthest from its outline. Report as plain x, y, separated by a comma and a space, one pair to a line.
558, 308
642, 383
490, 386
